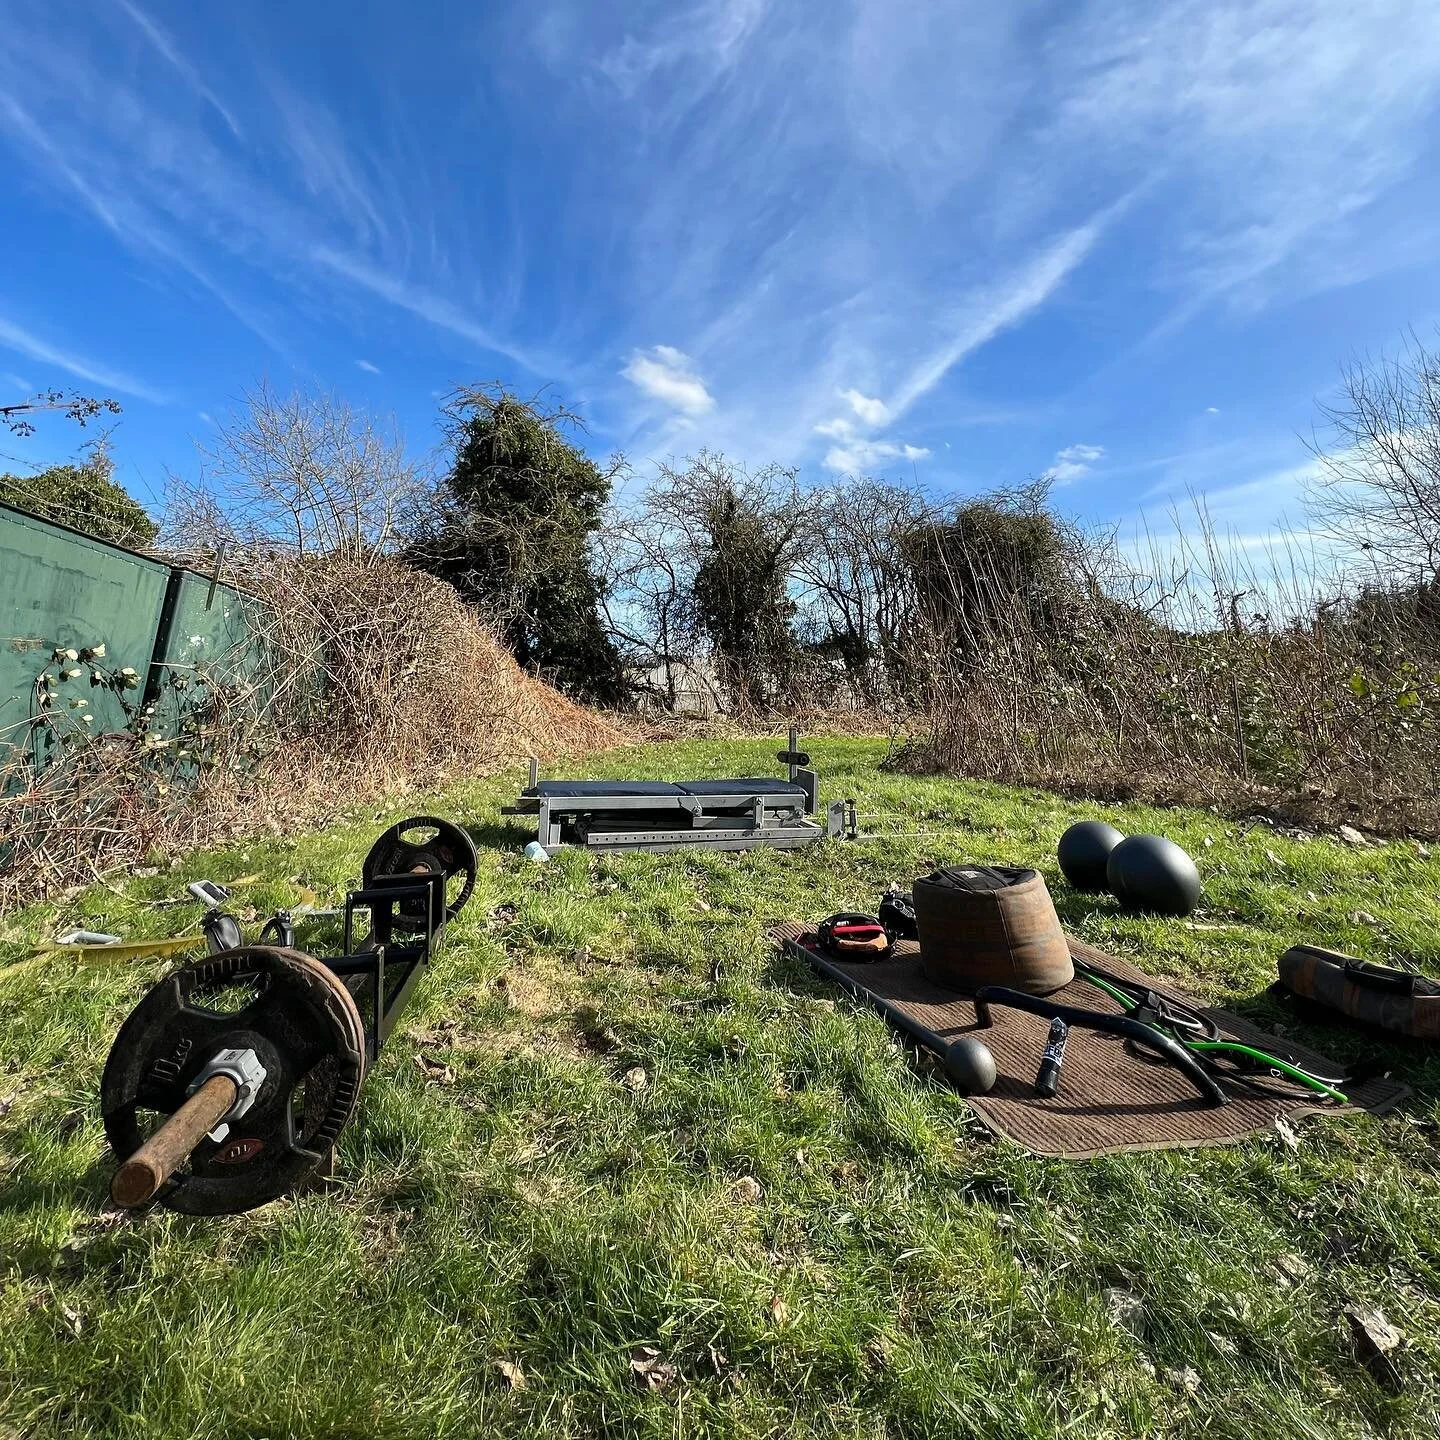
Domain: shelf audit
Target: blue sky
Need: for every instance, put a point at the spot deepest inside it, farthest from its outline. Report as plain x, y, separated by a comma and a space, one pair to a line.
1128, 242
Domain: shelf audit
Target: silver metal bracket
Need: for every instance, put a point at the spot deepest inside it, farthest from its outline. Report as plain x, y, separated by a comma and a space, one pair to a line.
245, 1069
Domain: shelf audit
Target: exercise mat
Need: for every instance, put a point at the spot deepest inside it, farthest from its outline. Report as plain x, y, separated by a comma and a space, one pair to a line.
1110, 1099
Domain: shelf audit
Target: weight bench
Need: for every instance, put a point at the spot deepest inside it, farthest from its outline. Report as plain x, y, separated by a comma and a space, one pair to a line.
659, 815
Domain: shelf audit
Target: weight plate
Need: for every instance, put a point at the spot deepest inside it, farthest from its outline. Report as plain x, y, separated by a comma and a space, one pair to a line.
304, 1027
422, 845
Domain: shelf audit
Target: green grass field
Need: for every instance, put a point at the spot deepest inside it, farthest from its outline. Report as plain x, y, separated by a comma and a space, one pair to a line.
519, 1242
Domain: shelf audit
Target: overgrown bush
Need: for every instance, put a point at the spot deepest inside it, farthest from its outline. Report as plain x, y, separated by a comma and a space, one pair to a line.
84, 497
1327, 707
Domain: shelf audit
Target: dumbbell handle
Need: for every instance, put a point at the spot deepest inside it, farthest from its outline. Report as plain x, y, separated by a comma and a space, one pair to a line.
139, 1179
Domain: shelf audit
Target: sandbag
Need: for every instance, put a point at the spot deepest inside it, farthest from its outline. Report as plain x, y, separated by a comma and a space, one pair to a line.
990, 925
1379, 995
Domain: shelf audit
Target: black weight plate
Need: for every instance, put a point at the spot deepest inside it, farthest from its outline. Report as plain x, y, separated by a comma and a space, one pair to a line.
307, 1032
424, 844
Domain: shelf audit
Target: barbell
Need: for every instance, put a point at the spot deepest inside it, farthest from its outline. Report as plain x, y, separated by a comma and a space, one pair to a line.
231, 1080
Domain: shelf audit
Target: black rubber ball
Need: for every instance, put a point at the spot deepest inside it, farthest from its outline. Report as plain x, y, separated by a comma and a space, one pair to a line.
1149, 872
1084, 853
969, 1063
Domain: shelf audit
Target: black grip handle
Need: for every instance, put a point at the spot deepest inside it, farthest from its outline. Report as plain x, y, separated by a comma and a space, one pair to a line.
1146, 1035
1047, 1082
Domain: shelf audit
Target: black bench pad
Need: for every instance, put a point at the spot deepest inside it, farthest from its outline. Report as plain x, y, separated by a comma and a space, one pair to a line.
599, 789
749, 786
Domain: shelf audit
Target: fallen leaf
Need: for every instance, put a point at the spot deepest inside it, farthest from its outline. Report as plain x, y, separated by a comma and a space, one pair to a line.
1294, 1269
635, 1079
778, 1309
514, 1376
1375, 1337
650, 1370
74, 1320
748, 1190
1187, 1378
1377, 1332
1287, 1134
436, 1072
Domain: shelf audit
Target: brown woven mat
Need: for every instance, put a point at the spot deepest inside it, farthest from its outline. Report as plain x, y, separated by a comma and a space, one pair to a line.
1110, 1099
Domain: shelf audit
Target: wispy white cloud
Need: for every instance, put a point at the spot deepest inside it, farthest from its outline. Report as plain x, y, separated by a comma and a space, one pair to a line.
857, 456
165, 47
435, 309
367, 367
983, 314
1073, 462
18, 383
868, 410
13, 337
709, 34
666, 374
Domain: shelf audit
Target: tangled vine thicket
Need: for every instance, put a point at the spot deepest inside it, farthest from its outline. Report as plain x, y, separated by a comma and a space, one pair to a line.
361, 680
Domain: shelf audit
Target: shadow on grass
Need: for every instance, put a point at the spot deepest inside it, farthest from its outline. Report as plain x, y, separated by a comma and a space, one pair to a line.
500, 834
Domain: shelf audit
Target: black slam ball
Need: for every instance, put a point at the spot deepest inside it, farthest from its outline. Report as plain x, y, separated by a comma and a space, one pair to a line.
969, 1063
1149, 872
1084, 853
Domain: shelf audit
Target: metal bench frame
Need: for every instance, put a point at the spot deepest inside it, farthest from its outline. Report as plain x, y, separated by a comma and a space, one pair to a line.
738, 819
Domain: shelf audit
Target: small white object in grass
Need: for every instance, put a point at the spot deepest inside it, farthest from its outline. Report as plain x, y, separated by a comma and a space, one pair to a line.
748, 1190
1351, 836
537, 852
514, 1376
1126, 1311
88, 937
1287, 1134
1187, 1378
1362, 917
635, 1079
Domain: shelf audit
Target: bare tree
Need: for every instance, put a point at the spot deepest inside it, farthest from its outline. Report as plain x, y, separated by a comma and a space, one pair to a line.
304, 473
858, 592
1377, 489
647, 603
736, 535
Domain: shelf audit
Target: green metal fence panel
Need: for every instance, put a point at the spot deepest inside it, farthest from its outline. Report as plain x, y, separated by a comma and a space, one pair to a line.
209, 634
179, 632
60, 589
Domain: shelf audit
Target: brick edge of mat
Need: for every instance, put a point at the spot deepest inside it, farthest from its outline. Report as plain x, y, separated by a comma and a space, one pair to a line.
1373, 1097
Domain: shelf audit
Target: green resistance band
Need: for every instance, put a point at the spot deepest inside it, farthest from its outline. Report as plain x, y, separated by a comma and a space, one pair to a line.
1273, 1062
